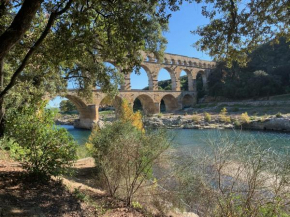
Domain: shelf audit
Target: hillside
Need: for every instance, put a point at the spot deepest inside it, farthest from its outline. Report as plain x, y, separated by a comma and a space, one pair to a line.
267, 74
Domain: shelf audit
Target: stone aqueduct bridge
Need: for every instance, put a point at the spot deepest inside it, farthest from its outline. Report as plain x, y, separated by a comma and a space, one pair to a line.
174, 99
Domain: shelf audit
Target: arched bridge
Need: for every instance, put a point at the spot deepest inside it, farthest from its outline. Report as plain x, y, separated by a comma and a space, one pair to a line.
151, 99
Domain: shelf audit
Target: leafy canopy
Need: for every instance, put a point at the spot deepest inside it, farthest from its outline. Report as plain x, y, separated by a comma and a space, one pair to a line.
41, 147
48, 43
237, 27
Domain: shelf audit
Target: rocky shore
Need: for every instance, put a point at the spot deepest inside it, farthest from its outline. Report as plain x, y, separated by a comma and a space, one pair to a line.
188, 122
270, 124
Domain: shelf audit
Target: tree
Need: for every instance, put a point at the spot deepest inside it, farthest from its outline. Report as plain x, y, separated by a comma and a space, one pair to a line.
41, 147
44, 44
237, 27
67, 106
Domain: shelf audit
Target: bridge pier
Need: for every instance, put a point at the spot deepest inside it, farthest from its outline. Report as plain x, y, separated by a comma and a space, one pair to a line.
89, 115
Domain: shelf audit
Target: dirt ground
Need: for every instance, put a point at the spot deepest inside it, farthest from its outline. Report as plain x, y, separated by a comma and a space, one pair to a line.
77, 196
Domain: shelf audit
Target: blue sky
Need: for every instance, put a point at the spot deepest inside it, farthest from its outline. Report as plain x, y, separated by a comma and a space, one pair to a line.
180, 41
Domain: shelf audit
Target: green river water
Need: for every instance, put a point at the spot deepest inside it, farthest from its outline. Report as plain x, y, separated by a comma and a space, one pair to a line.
192, 139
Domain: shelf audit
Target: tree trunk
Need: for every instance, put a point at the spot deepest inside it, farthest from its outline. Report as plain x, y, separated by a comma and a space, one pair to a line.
10, 37
19, 26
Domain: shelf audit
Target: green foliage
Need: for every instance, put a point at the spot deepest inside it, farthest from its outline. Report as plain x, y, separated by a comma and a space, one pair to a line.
196, 119
38, 144
159, 115
236, 28
244, 118
266, 74
223, 111
225, 118
125, 156
279, 115
67, 106
69, 41
207, 117
237, 123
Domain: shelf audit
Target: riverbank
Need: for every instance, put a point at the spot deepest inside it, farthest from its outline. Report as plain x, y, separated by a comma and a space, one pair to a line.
76, 195
279, 123
200, 121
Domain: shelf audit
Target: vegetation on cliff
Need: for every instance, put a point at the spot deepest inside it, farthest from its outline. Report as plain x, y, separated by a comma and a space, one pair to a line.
267, 73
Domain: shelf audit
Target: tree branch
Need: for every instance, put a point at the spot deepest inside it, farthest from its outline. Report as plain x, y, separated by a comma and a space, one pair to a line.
50, 23
19, 26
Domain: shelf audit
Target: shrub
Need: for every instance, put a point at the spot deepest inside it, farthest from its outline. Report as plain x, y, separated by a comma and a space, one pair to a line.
195, 119
279, 115
238, 177
224, 111
127, 115
237, 123
207, 117
245, 118
42, 148
125, 155
225, 119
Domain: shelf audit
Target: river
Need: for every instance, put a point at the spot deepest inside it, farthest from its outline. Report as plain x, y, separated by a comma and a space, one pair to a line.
200, 139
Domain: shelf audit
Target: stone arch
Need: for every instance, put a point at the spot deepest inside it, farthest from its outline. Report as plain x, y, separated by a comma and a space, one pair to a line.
114, 102
148, 105
187, 101
149, 75
170, 102
77, 101
172, 77
88, 113
190, 86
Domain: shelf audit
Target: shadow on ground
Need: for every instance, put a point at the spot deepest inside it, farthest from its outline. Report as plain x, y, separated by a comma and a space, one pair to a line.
23, 197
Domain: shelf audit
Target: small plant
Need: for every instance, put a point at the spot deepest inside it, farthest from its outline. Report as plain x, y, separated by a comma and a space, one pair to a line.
224, 111
223, 116
136, 205
225, 119
279, 115
195, 119
185, 113
207, 117
159, 115
237, 123
244, 118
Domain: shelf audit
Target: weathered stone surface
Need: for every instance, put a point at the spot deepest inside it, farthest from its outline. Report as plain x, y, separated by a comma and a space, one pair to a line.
150, 99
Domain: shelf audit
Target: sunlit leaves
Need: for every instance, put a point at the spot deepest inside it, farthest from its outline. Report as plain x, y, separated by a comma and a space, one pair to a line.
237, 27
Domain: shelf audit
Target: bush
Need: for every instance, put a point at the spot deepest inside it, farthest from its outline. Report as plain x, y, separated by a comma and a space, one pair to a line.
224, 111
237, 123
207, 117
125, 155
42, 148
245, 118
225, 119
279, 115
195, 119
238, 177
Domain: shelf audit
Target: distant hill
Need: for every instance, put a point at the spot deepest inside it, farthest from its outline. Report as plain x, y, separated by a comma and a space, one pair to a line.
267, 73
